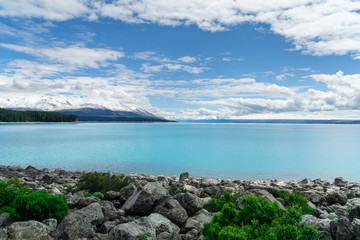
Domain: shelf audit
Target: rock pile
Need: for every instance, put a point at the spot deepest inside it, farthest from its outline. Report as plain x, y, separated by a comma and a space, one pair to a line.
160, 207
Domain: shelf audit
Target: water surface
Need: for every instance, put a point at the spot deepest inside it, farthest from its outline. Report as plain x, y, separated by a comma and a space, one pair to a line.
242, 151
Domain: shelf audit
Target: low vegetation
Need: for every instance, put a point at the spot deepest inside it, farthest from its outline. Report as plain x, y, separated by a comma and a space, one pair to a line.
97, 195
101, 182
24, 204
38, 206
258, 218
34, 116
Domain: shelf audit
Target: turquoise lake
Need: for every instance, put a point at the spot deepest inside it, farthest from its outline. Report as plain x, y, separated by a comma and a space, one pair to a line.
235, 151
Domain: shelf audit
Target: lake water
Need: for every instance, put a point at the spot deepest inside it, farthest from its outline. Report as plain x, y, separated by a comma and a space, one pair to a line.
236, 151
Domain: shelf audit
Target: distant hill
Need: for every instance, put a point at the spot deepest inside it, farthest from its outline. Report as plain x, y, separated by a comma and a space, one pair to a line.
34, 116
107, 115
289, 121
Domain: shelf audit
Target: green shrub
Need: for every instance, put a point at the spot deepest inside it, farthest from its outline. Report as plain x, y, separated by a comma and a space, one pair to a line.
97, 195
295, 200
87, 195
257, 219
38, 206
216, 203
101, 182
9, 190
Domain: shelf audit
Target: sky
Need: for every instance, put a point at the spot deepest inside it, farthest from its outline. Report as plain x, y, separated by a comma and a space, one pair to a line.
190, 59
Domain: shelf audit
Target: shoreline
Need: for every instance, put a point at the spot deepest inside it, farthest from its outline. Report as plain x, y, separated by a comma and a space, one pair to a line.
177, 201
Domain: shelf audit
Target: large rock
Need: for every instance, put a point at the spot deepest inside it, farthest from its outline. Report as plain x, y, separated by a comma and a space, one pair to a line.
154, 227
5, 220
143, 202
86, 201
340, 182
51, 223
336, 197
356, 227
264, 194
3, 233
354, 213
320, 224
81, 223
163, 225
126, 192
28, 230
341, 229
137, 229
197, 220
184, 176
171, 209
112, 195
109, 210
316, 197
190, 202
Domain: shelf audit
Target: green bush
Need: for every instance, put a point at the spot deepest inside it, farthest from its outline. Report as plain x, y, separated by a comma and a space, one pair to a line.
9, 190
295, 200
38, 206
257, 219
216, 203
97, 195
101, 182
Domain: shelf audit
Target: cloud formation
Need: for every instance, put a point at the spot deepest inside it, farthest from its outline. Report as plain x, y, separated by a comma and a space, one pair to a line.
71, 55
321, 27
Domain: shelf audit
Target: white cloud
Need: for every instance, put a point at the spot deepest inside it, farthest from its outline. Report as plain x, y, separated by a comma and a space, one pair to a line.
72, 55
46, 9
320, 27
187, 59
315, 27
282, 77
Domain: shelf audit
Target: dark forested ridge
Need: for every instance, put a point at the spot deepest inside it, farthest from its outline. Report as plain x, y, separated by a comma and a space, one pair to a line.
34, 116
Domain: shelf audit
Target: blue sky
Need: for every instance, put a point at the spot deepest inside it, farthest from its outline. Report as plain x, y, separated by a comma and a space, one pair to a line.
183, 59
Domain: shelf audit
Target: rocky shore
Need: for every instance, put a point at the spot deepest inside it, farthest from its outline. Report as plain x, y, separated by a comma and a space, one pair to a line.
161, 207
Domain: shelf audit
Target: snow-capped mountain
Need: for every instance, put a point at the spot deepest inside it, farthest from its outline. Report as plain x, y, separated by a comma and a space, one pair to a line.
86, 111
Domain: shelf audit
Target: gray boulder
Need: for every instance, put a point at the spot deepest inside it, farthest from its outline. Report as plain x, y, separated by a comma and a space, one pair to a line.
109, 210
73, 201
190, 202
134, 230
154, 227
341, 229
139, 203
51, 223
321, 224
197, 220
5, 220
143, 202
126, 192
81, 223
28, 230
314, 196
354, 213
107, 226
163, 225
112, 195
184, 176
86, 201
356, 227
213, 190
171, 209
336, 197
3, 233
340, 182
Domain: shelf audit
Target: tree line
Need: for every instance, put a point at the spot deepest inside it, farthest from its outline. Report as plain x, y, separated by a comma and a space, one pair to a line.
34, 116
